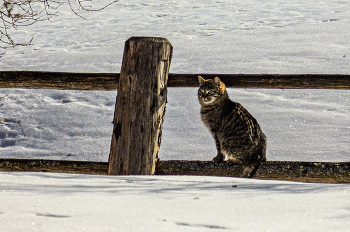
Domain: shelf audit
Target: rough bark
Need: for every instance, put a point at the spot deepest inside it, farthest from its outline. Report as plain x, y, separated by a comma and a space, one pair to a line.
140, 106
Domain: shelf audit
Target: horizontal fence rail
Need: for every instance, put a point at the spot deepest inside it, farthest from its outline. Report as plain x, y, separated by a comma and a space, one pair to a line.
59, 80
109, 81
275, 81
325, 172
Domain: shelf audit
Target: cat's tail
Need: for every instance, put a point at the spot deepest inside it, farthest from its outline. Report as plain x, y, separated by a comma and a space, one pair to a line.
250, 169
262, 150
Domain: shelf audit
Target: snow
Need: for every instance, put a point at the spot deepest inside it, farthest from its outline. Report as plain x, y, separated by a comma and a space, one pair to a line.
278, 36
58, 123
68, 202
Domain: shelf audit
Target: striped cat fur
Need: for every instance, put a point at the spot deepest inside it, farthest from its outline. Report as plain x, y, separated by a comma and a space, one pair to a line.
236, 132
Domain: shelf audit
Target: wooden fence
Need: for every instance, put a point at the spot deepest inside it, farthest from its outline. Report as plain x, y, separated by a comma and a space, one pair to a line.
110, 81
140, 106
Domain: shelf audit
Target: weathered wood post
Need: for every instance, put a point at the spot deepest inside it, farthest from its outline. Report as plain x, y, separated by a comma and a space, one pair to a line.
140, 106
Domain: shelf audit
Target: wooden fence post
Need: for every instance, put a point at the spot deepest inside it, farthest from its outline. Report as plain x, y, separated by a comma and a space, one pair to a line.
140, 106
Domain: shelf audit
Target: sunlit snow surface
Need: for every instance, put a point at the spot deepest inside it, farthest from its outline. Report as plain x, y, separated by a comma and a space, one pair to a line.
68, 202
208, 37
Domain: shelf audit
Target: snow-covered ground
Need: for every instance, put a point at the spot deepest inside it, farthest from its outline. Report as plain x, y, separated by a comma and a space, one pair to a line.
68, 202
277, 36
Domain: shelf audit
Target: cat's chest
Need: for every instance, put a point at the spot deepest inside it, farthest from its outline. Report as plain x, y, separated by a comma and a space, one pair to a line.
212, 118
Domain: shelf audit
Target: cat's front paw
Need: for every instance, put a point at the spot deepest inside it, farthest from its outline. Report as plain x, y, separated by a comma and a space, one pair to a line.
218, 159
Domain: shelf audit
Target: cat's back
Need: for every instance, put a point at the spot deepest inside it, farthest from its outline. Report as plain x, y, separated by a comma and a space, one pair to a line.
236, 121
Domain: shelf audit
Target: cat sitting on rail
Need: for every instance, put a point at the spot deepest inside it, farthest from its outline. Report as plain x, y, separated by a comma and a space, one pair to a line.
236, 132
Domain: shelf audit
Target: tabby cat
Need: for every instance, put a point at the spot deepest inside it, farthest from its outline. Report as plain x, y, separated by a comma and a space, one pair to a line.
236, 132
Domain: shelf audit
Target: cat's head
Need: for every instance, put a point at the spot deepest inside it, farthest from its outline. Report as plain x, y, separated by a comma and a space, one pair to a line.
210, 90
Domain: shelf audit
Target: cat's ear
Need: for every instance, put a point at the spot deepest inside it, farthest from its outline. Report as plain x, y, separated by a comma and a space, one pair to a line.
217, 81
201, 80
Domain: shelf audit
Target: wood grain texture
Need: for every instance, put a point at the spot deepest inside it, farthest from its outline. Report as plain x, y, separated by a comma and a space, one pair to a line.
276, 81
140, 106
109, 81
59, 80
60, 166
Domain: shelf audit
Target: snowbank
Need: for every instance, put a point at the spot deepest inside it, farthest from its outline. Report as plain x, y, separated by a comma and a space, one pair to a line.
71, 202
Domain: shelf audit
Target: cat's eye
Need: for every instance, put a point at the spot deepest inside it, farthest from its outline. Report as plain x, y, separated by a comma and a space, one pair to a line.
212, 94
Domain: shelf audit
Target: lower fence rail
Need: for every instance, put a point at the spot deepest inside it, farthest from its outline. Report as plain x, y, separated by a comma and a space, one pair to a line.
322, 172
